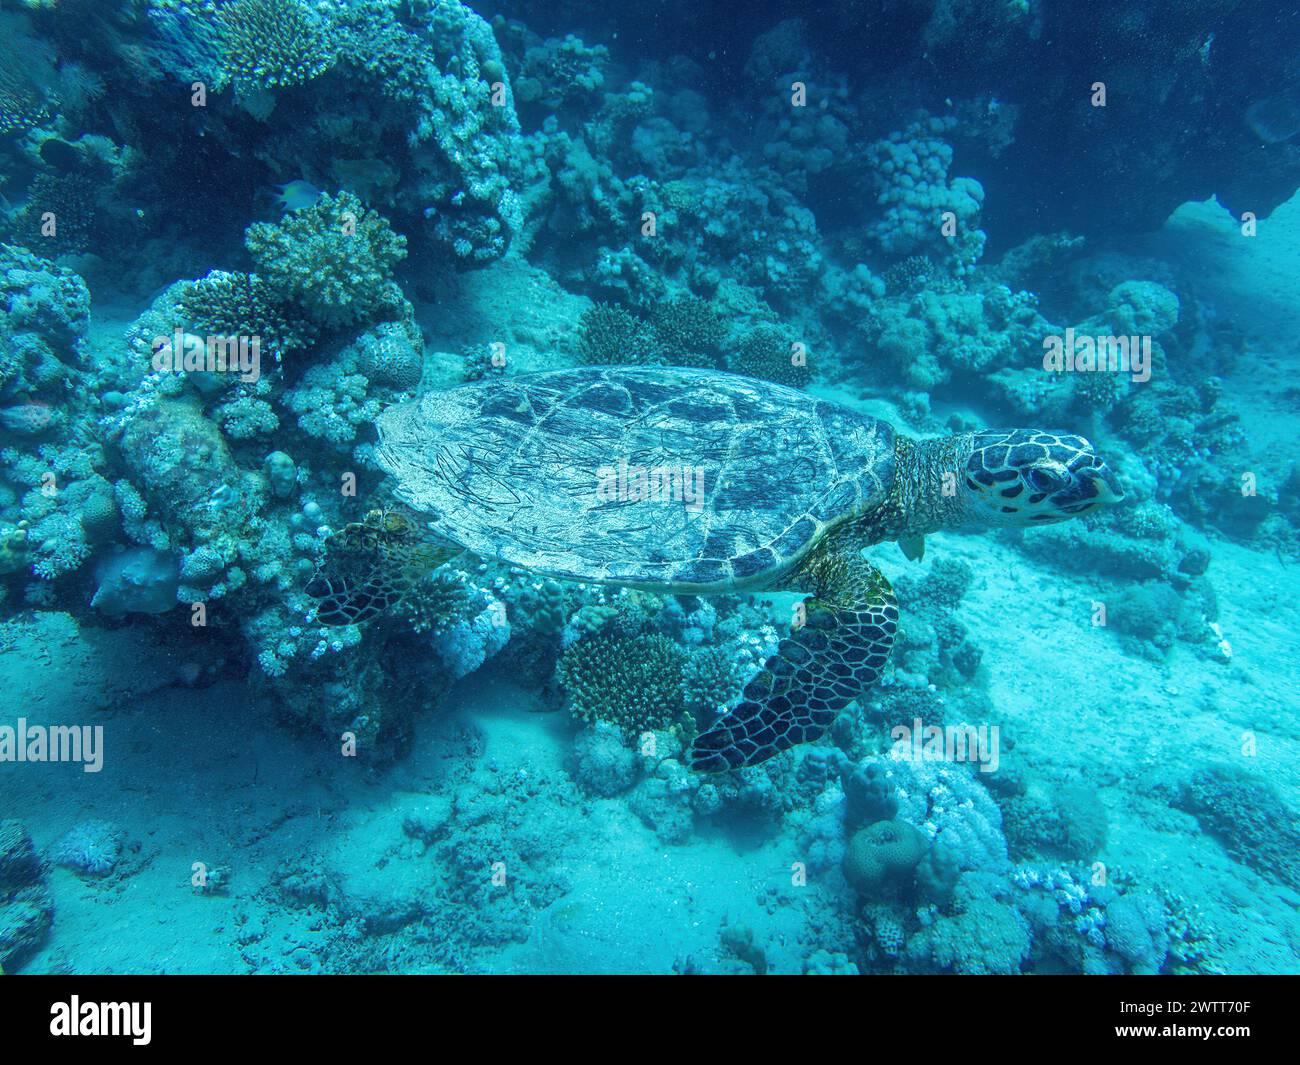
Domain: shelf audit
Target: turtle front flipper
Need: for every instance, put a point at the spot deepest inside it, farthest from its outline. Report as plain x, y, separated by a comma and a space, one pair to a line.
349, 594
371, 565
819, 668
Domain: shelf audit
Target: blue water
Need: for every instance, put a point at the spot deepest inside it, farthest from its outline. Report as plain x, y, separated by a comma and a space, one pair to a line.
333, 639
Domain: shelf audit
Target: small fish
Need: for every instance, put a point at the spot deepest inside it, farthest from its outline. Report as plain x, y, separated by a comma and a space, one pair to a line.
295, 195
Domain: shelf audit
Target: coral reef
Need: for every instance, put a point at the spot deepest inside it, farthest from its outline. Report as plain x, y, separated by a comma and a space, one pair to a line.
404, 195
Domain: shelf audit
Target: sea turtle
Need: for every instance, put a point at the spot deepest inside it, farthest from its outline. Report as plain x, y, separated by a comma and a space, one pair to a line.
698, 482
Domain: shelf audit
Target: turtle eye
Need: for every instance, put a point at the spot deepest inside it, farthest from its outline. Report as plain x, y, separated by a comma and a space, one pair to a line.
1045, 479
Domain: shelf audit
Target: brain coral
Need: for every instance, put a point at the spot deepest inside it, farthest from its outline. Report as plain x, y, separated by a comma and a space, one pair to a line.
883, 855
1143, 307
386, 356
334, 258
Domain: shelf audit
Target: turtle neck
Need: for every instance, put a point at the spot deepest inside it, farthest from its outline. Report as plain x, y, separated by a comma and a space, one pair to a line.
929, 492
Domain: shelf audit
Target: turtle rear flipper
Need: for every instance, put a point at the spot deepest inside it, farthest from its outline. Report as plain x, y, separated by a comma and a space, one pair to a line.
371, 565
819, 668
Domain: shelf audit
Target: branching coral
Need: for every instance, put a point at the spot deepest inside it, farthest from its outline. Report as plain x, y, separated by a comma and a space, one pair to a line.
272, 44
26, 72
233, 304
634, 682
681, 332
60, 212
333, 258
689, 331
710, 679
608, 335
910, 275
767, 352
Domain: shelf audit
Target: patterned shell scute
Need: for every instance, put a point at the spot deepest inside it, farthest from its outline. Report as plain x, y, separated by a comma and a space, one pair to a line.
636, 475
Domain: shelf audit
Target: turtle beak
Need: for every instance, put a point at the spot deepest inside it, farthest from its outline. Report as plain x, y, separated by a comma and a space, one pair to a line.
1091, 488
1107, 487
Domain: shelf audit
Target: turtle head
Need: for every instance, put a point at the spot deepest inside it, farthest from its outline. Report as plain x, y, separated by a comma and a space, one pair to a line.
1035, 477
